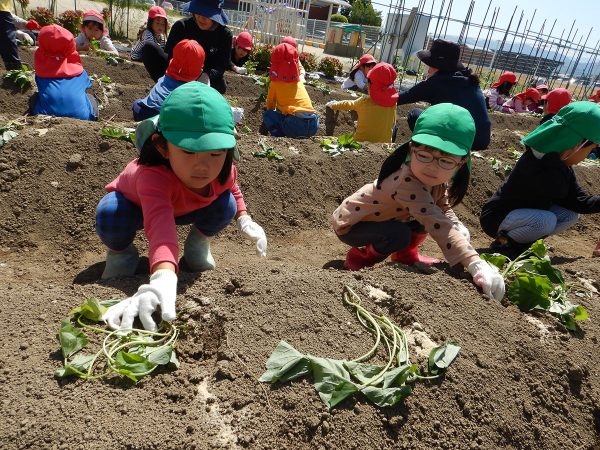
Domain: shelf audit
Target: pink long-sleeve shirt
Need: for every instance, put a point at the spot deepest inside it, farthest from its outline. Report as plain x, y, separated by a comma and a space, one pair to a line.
162, 197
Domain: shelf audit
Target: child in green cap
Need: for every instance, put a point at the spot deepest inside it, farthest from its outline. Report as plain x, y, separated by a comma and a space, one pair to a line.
413, 196
541, 196
184, 175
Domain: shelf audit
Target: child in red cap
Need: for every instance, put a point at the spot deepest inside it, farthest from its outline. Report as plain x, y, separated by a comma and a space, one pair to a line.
153, 33
357, 78
554, 100
521, 102
499, 92
376, 111
289, 109
94, 28
186, 66
60, 78
596, 97
240, 52
290, 40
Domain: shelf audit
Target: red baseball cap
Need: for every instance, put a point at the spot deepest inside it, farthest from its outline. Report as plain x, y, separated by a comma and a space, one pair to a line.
541, 86
290, 40
382, 89
56, 56
365, 59
531, 93
284, 64
556, 99
505, 77
595, 97
156, 11
244, 40
187, 62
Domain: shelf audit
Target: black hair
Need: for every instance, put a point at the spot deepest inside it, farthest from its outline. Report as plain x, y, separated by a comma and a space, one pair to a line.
148, 26
87, 22
505, 88
150, 156
353, 72
458, 187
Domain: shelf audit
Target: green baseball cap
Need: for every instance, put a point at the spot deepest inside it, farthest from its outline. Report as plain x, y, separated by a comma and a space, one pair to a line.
446, 127
571, 125
197, 118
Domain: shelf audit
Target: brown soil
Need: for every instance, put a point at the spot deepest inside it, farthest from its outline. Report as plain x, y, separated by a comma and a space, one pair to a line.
521, 380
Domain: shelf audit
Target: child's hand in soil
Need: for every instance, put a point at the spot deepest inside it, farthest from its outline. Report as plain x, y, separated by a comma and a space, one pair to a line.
162, 290
253, 231
487, 278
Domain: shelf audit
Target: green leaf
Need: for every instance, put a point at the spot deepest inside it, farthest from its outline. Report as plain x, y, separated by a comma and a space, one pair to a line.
362, 371
386, 396
441, 357
71, 339
284, 364
496, 259
580, 313
530, 291
160, 356
78, 366
91, 309
400, 375
133, 366
174, 361
331, 380
540, 267
538, 248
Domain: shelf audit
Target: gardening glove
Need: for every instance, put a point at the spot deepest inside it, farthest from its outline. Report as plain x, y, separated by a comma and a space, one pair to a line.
240, 70
253, 231
487, 278
162, 290
463, 230
32, 25
330, 104
238, 114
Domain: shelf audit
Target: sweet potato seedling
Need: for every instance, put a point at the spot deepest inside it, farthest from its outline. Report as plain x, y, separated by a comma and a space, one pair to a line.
533, 284
130, 353
23, 77
336, 146
335, 380
125, 134
267, 152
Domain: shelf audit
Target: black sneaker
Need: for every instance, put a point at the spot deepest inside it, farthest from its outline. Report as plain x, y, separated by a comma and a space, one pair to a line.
506, 246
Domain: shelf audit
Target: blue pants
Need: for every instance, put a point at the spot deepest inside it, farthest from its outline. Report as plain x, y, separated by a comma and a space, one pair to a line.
8, 42
142, 112
118, 219
290, 125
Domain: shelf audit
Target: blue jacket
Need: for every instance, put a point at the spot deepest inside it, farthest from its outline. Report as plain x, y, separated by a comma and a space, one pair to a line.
163, 87
64, 97
455, 88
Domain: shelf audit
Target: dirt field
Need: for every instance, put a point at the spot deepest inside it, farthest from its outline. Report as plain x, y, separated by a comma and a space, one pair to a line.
521, 380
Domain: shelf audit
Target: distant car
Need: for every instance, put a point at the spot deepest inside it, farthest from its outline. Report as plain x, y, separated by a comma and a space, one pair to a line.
167, 5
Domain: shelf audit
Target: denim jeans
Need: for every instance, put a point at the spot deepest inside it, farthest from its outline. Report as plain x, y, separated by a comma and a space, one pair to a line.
300, 125
118, 219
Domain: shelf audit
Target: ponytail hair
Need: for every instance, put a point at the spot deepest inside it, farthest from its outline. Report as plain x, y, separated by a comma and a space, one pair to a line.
458, 185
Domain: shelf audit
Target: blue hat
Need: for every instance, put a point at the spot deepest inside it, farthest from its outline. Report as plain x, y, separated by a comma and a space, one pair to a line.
212, 9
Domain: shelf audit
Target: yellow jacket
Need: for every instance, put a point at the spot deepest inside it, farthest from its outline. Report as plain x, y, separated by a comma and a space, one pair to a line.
5, 5
289, 98
375, 122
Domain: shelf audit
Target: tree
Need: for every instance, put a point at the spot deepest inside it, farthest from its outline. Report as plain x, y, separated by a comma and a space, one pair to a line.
362, 12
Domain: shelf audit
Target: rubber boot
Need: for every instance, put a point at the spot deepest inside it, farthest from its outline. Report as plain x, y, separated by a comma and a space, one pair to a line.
121, 263
357, 258
410, 254
196, 251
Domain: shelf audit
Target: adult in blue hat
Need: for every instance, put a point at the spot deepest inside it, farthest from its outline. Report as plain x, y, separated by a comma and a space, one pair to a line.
207, 25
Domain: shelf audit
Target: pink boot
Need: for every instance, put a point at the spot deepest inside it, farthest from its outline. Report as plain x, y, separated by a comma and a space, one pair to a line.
410, 254
357, 258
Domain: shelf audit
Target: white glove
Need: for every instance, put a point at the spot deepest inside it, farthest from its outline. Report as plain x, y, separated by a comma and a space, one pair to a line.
487, 278
253, 231
162, 290
238, 114
463, 230
204, 78
240, 70
330, 104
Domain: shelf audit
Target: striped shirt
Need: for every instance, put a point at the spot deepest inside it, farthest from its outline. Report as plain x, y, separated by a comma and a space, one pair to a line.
147, 36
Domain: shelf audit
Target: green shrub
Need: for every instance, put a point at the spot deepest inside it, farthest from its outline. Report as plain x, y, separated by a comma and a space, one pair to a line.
71, 20
308, 61
43, 16
330, 66
339, 18
261, 55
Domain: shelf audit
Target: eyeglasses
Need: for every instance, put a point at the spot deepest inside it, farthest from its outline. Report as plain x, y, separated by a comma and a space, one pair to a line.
443, 162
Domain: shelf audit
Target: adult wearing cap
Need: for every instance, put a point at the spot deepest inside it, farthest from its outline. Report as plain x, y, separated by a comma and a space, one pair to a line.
499, 92
154, 34
357, 78
60, 78
541, 196
208, 27
448, 81
240, 52
185, 66
553, 102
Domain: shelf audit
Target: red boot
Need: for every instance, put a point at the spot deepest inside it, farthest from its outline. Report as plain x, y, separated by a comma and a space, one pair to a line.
410, 254
357, 258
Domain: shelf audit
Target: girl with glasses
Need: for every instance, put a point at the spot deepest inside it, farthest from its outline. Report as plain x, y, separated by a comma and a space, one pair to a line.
413, 197
541, 196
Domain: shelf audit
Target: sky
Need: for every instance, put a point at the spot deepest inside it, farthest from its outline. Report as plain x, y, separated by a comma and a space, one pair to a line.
584, 12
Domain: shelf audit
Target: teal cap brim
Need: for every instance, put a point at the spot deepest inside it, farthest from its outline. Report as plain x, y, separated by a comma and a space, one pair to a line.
443, 145
144, 130
200, 142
